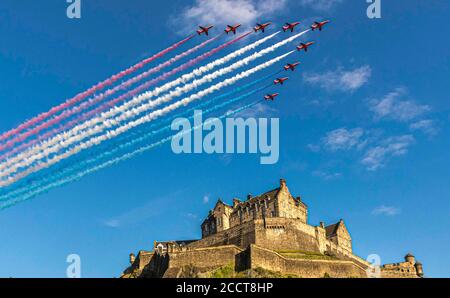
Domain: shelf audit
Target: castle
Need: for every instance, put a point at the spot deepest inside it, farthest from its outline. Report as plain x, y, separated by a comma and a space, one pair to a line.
269, 233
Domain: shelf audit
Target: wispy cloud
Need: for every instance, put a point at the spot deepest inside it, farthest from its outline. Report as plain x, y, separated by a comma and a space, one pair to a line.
221, 12
259, 110
376, 157
392, 107
141, 213
343, 139
340, 79
322, 5
426, 126
313, 147
205, 199
327, 175
386, 210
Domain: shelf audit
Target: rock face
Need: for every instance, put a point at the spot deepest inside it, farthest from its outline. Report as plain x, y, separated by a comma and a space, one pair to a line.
266, 234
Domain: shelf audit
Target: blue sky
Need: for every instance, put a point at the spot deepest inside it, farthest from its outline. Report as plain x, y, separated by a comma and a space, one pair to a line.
363, 130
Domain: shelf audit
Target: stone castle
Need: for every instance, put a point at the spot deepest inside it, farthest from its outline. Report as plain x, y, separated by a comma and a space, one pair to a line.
269, 233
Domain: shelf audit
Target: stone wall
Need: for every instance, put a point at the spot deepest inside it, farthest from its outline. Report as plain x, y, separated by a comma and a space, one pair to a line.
241, 236
286, 234
203, 259
273, 233
403, 269
270, 260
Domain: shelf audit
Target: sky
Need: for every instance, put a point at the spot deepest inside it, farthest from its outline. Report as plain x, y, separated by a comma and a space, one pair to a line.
364, 128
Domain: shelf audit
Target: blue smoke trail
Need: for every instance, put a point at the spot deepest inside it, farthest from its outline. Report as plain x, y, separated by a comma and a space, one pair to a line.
14, 189
30, 192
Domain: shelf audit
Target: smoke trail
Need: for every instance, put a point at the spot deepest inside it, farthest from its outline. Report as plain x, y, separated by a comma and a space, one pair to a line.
74, 136
91, 90
70, 137
147, 118
156, 91
142, 135
67, 113
114, 161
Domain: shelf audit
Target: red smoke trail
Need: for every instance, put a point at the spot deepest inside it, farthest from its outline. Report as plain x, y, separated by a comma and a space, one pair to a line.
91, 90
124, 96
67, 113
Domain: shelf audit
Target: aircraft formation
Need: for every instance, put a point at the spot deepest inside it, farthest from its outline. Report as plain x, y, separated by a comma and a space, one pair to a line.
262, 27
109, 120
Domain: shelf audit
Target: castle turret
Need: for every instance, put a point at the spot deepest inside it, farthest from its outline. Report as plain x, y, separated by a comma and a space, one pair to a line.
419, 269
410, 259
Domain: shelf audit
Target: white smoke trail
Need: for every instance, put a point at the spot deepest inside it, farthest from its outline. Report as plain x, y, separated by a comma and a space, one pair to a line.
147, 118
158, 90
76, 134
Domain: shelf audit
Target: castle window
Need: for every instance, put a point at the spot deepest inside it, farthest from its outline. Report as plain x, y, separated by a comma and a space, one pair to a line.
272, 213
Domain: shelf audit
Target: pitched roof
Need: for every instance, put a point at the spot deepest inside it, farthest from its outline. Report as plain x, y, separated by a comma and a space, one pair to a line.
331, 230
271, 194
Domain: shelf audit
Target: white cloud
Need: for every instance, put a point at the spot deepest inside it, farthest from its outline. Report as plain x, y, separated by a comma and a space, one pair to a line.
313, 147
376, 157
426, 126
221, 12
139, 214
392, 107
191, 215
343, 139
340, 79
326, 175
322, 5
386, 210
205, 199
112, 223
259, 110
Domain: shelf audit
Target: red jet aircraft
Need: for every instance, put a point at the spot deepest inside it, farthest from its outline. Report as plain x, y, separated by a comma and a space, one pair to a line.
280, 81
204, 30
271, 96
290, 26
291, 66
261, 27
305, 46
232, 28
319, 25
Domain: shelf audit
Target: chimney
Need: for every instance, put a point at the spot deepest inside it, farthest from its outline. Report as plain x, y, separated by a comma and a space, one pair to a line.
282, 183
235, 202
249, 196
322, 225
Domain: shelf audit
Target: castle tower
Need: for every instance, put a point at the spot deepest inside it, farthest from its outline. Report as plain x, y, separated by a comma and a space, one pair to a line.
410, 259
419, 269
